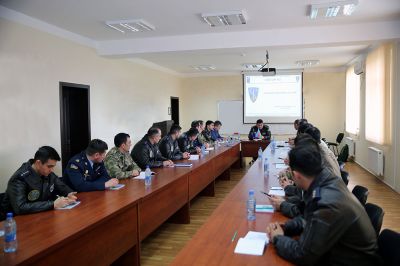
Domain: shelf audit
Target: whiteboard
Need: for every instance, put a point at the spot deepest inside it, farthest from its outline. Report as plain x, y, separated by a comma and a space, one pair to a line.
230, 113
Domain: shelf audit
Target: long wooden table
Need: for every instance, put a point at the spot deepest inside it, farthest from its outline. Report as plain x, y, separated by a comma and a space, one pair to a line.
250, 147
108, 226
213, 245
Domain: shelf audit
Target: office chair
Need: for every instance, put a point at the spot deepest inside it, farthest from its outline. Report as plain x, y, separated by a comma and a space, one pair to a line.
375, 214
336, 144
345, 176
361, 194
389, 247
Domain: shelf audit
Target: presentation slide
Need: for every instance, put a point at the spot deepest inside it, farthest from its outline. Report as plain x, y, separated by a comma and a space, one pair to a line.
274, 99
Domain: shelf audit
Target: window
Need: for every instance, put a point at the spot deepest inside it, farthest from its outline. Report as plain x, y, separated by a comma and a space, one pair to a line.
352, 102
377, 95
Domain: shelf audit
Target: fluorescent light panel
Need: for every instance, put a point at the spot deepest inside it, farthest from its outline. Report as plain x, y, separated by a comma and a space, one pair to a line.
333, 9
204, 67
133, 25
224, 19
307, 63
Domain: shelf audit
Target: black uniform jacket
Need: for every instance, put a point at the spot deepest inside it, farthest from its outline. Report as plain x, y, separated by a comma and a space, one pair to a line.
27, 192
186, 145
170, 149
265, 133
144, 153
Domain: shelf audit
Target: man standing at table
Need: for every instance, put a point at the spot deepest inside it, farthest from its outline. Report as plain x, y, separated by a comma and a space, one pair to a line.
169, 145
86, 171
34, 187
335, 229
118, 161
146, 151
260, 131
186, 142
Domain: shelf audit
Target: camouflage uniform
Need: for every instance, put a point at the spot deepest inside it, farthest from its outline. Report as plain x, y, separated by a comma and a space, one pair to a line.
120, 165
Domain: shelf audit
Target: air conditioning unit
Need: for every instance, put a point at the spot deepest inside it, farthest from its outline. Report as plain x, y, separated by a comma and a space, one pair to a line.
359, 68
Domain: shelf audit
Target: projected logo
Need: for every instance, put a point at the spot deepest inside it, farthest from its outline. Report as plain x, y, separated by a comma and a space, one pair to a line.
253, 93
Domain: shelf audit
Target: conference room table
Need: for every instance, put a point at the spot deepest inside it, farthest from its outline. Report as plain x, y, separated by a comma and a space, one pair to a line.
108, 226
213, 245
249, 148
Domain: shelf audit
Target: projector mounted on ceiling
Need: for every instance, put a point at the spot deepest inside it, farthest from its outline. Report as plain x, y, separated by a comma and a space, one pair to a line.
265, 69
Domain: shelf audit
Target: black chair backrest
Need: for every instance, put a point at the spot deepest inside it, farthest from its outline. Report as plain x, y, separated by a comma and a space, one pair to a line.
375, 214
361, 194
389, 247
345, 176
339, 137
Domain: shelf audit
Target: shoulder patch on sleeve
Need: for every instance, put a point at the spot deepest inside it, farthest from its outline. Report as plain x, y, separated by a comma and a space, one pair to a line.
73, 166
23, 174
77, 160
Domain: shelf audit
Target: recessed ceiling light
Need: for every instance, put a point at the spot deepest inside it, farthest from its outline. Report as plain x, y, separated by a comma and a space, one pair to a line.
333, 9
307, 63
204, 67
133, 25
252, 66
225, 19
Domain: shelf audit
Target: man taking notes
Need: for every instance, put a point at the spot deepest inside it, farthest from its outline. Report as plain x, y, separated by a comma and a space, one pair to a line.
146, 151
35, 188
86, 171
118, 161
186, 142
169, 145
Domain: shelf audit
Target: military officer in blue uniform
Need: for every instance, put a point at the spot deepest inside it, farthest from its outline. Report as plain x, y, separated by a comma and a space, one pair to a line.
86, 171
35, 188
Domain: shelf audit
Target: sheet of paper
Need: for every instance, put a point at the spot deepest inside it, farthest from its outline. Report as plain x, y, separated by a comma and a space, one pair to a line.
116, 187
276, 188
277, 192
280, 166
257, 235
142, 175
250, 246
210, 149
264, 208
194, 157
68, 207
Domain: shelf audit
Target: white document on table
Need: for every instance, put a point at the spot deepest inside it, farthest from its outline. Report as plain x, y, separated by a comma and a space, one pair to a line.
280, 166
257, 235
210, 149
194, 157
250, 246
277, 192
142, 175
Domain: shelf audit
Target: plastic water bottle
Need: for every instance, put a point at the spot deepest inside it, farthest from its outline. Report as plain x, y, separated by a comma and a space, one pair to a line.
203, 149
10, 234
251, 206
260, 153
266, 168
273, 145
147, 177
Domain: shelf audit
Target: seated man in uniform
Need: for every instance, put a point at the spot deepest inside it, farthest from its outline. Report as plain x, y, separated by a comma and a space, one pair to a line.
335, 230
35, 188
86, 171
215, 136
118, 161
186, 142
146, 151
260, 131
169, 145
207, 132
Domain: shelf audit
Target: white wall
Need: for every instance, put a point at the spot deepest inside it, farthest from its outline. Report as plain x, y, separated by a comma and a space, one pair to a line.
124, 97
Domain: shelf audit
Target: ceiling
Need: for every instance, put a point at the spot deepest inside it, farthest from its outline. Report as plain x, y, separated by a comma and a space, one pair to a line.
182, 39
